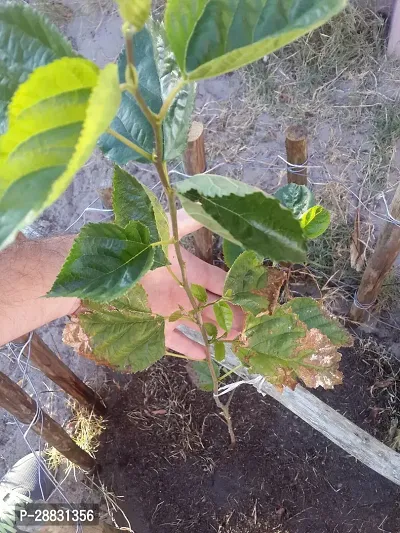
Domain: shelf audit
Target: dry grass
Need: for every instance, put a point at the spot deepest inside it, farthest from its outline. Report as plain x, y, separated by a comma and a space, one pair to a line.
89, 7
58, 13
85, 429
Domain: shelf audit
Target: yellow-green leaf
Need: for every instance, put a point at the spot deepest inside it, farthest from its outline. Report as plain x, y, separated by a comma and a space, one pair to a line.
315, 222
55, 118
136, 12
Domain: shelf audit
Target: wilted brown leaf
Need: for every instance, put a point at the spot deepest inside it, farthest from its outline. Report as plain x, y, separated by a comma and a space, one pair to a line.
275, 280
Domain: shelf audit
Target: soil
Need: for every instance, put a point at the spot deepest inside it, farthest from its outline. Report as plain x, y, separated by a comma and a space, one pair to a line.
165, 451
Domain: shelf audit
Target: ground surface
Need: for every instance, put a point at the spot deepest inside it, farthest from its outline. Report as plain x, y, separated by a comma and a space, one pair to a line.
166, 453
174, 468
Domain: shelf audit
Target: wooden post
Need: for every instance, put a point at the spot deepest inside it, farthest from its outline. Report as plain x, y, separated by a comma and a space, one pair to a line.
56, 370
296, 154
195, 163
379, 264
394, 33
17, 402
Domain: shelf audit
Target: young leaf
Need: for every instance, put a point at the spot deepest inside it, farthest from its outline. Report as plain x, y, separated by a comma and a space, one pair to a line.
134, 201
224, 315
136, 12
27, 41
219, 348
231, 252
105, 261
315, 222
200, 376
211, 329
123, 334
314, 317
281, 348
199, 293
251, 285
297, 198
55, 119
176, 315
158, 74
244, 215
210, 38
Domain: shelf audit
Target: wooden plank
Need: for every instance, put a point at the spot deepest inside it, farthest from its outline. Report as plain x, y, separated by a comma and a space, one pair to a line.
56, 370
17, 402
296, 154
195, 163
379, 265
324, 419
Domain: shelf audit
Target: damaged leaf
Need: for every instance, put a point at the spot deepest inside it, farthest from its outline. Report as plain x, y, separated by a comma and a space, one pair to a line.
282, 348
252, 286
311, 313
123, 334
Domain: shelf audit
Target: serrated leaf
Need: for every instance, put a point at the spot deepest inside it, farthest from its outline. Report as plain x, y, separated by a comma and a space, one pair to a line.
158, 74
252, 286
211, 329
105, 261
134, 201
219, 353
199, 293
224, 315
231, 252
282, 348
123, 334
55, 117
136, 12
211, 37
312, 314
297, 198
315, 222
27, 41
200, 375
243, 215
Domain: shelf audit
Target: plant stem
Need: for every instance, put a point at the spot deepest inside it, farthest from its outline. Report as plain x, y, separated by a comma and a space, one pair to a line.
130, 144
170, 98
156, 123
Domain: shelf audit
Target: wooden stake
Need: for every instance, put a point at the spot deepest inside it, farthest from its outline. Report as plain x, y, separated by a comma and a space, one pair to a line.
296, 154
17, 402
394, 33
195, 163
379, 264
56, 370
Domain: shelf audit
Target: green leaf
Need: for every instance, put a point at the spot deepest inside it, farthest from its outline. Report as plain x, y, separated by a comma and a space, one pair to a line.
281, 348
55, 119
315, 222
211, 329
219, 348
199, 293
311, 313
243, 215
134, 201
27, 41
105, 261
200, 375
246, 280
224, 315
212, 37
297, 198
176, 315
158, 74
123, 334
231, 252
136, 12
